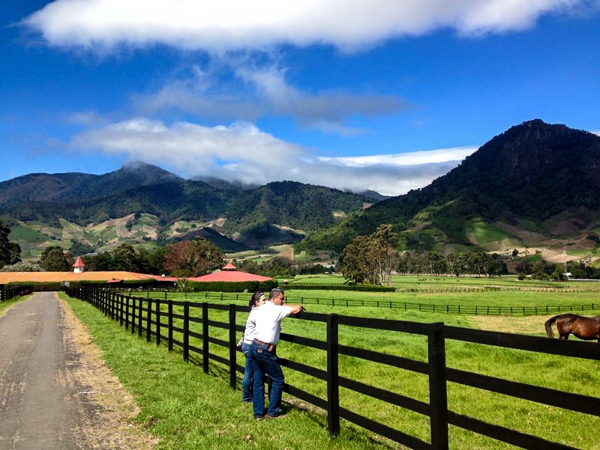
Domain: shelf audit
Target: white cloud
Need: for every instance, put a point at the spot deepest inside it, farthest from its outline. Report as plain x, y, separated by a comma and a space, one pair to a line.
249, 92
87, 118
405, 159
242, 152
233, 24
596, 132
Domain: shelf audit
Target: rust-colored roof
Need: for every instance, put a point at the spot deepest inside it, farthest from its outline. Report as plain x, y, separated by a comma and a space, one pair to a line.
232, 276
56, 277
79, 262
229, 266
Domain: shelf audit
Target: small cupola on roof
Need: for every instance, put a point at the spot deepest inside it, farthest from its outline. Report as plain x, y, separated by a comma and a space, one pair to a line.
79, 265
229, 266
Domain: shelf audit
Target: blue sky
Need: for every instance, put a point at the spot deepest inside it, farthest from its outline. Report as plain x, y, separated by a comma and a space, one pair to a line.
350, 94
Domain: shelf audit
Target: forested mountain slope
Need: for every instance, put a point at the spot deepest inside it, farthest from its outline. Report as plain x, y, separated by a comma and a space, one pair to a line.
532, 183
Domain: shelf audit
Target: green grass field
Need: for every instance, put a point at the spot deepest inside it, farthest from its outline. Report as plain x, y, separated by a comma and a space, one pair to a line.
555, 372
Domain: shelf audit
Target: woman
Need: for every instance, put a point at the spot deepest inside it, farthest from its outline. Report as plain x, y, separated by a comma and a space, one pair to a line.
257, 300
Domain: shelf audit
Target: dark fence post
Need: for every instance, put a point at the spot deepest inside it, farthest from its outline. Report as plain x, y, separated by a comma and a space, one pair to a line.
119, 301
157, 322
186, 331
132, 321
333, 376
232, 347
438, 395
170, 325
149, 321
126, 300
140, 318
205, 348
111, 302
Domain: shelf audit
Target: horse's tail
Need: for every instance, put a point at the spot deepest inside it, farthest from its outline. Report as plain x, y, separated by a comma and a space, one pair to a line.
549, 324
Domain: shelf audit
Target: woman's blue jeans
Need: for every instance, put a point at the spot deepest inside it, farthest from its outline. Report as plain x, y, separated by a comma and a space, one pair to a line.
248, 374
265, 363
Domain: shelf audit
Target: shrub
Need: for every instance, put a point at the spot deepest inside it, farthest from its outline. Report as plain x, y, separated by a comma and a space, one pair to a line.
221, 286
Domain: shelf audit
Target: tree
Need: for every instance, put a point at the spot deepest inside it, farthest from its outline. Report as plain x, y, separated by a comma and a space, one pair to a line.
152, 261
79, 248
523, 267
249, 266
193, 258
436, 263
21, 267
357, 265
385, 241
371, 258
10, 253
457, 263
125, 258
54, 260
276, 267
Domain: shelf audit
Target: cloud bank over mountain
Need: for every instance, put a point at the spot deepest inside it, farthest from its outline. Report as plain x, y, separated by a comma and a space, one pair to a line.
242, 152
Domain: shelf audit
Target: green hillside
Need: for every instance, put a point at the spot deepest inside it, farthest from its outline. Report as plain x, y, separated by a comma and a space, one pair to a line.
535, 184
144, 205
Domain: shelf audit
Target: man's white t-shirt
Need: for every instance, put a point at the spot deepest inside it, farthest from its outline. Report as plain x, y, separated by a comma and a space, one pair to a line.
268, 322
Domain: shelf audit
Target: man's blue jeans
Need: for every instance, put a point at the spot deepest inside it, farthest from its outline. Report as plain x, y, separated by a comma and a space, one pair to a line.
248, 374
266, 363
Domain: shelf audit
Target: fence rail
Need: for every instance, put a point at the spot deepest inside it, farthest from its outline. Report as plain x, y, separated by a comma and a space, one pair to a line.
129, 312
478, 310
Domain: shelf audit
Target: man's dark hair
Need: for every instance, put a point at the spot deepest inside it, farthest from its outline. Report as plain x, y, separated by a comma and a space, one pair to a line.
275, 293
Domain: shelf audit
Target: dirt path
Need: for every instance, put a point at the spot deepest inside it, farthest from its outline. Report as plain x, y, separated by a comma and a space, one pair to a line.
55, 391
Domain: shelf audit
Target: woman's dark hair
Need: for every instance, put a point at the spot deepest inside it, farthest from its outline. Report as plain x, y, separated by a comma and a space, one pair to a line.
255, 298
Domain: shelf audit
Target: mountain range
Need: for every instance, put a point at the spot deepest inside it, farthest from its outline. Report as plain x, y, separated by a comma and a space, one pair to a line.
144, 204
532, 188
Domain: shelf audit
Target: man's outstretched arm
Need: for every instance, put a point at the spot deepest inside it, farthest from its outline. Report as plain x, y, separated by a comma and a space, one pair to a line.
296, 308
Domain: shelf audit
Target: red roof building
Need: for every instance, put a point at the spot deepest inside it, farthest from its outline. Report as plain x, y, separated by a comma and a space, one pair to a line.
230, 274
79, 265
229, 266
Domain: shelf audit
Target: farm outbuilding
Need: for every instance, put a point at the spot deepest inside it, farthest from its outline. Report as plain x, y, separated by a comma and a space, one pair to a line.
230, 274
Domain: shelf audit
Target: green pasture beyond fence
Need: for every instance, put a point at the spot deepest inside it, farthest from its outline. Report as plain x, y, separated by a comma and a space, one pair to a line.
433, 287
147, 316
483, 310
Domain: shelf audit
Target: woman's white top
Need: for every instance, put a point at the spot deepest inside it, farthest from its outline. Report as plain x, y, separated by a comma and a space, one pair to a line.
250, 330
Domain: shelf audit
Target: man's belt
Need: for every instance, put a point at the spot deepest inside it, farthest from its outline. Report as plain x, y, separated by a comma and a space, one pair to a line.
270, 347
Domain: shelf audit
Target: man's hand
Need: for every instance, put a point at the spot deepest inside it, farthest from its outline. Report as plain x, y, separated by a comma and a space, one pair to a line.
296, 308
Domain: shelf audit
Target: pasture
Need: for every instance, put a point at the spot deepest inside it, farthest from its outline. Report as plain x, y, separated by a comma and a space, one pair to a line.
562, 373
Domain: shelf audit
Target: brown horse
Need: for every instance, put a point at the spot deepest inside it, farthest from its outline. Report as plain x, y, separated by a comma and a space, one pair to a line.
586, 328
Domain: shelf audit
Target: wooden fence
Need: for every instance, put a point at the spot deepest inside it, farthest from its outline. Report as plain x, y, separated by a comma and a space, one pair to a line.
478, 310
8, 294
145, 316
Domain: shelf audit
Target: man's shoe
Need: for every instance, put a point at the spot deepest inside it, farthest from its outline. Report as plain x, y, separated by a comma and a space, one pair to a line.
259, 417
278, 416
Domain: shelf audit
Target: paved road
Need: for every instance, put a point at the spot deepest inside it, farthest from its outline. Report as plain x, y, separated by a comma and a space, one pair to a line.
41, 405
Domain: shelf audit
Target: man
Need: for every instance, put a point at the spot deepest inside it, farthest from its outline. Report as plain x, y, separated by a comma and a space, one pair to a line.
262, 350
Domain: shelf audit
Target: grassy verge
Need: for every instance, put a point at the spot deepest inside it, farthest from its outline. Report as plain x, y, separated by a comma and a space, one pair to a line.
187, 409
7, 304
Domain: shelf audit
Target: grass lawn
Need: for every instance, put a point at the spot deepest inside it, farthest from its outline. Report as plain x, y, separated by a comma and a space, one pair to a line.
301, 429
567, 300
